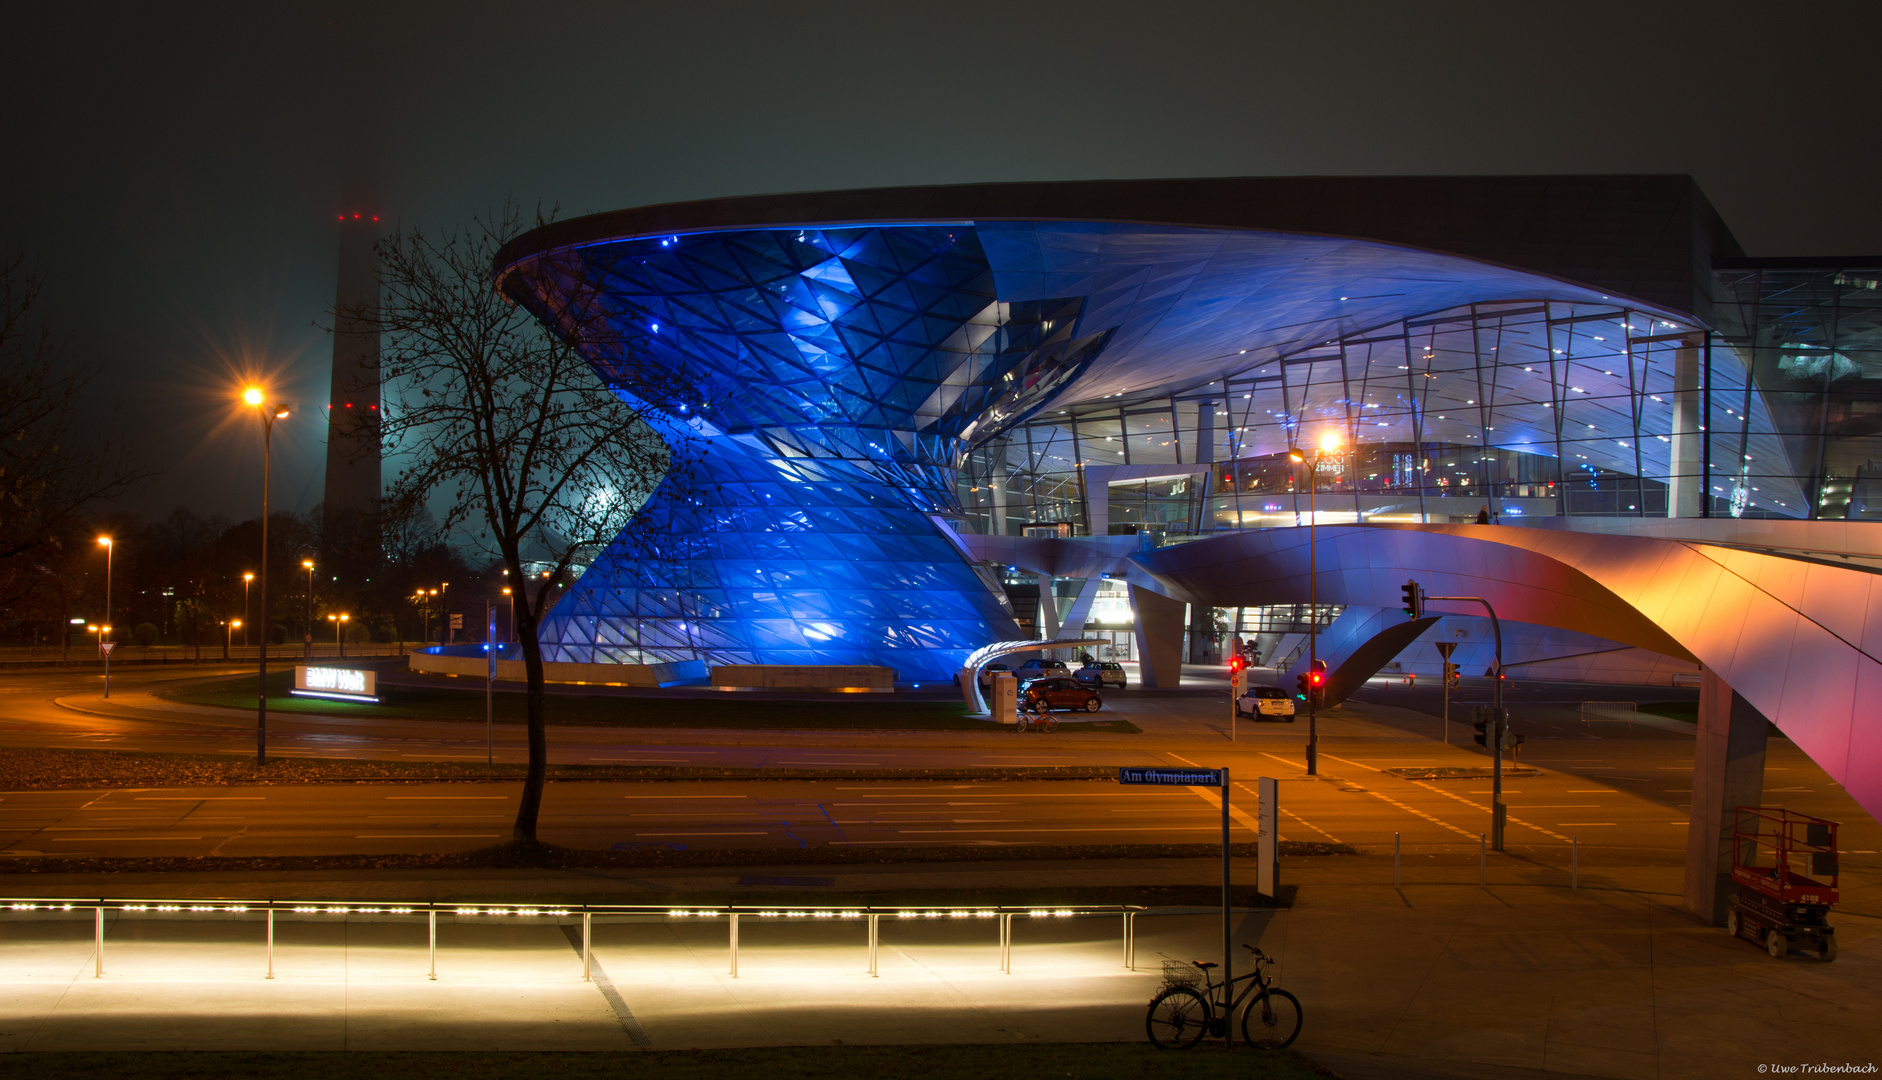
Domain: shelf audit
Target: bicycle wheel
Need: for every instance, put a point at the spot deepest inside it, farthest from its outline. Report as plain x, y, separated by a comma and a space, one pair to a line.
1047, 722
1177, 1019
1271, 1021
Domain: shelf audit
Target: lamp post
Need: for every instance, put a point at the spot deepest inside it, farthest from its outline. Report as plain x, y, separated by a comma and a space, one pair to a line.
1330, 443
247, 579
307, 639
511, 604
444, 626
105, 542
339, 631
229, 636
253, 397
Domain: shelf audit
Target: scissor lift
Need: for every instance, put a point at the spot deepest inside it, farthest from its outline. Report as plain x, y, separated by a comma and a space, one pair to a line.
1785, 866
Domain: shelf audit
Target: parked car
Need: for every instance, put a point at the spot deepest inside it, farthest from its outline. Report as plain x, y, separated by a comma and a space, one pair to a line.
987, 673
1059, 692
1102, 674
1039, 668
1263, 701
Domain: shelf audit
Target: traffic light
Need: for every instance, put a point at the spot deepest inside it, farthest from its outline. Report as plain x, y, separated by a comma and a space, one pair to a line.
1414, 603
1450, 673
1317, 681
1482, 724
1236, 663
1305, 684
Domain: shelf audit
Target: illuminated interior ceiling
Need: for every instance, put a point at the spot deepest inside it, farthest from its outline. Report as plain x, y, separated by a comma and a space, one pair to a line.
845, 370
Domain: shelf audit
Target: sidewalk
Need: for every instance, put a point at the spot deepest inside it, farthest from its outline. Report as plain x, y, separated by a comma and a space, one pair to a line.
1610, 980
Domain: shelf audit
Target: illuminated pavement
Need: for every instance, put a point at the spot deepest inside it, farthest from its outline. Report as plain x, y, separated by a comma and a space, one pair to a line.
1609, 980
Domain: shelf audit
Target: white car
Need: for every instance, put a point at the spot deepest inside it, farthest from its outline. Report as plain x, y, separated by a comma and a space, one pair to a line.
1102, 674
1265, 701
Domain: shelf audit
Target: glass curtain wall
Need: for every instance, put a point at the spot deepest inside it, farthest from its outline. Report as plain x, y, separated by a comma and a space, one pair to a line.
1510, 410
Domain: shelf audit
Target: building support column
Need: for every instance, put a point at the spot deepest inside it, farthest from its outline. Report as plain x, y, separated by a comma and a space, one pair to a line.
1728, 772
1080, 612
1686, 481
1159, 628
1048, 617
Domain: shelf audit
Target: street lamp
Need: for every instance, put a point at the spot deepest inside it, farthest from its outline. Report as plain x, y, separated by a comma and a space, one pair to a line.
1329, 444
253, 398
105, 542
339, 627
247, 579
511, 604
307, 640
229, 636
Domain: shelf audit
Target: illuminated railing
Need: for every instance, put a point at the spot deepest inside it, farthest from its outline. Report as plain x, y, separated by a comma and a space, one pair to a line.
731, 913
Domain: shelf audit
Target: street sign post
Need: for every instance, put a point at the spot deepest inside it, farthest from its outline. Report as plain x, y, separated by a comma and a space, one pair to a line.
1215, 778
1445, 648
490, 679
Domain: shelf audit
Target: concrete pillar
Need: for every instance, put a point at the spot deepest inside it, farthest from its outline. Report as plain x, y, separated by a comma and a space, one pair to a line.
1080, 611
1201, 519
1159, 627
1048, 619
1686, 486
1728, 772
998, 483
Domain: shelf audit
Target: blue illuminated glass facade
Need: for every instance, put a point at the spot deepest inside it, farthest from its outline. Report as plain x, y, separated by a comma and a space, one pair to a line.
847, 374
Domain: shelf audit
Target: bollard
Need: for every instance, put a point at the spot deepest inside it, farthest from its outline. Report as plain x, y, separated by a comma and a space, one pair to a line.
270, 943
1574, 862
432, 919
1483, 861
873, 919
98, 943
1395, 850
586, 930
734, 944
1006, 943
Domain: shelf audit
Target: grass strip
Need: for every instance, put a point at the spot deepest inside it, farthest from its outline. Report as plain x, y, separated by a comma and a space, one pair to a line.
674, 709
40, 770
1027, 1060
519, 856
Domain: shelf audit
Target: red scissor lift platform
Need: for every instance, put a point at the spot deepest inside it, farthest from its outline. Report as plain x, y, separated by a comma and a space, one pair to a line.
1785, 866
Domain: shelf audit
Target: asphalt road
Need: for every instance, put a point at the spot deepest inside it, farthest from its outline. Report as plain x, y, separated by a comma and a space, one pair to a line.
1610, 784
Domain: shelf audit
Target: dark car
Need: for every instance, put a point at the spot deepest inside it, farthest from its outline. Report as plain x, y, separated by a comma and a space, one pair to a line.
1107, 673
1059, 692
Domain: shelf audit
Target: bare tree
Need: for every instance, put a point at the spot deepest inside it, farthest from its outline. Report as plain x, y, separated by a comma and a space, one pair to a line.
506, 432
47, 474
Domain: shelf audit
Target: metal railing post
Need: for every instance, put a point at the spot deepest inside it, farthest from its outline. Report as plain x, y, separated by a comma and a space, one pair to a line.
734, 944
431, 918
587, 930
873, 931
270, 943
98, 942
1127, 940
1130, 957
1006, 943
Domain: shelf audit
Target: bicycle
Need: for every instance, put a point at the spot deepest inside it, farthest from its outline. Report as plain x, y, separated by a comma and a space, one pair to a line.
1035, 715
1180, 1015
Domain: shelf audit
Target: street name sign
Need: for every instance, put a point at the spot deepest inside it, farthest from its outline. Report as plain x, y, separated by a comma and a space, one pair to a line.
1175, 777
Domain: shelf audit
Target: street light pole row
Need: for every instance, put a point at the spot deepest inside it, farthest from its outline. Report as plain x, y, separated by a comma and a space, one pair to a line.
254, 397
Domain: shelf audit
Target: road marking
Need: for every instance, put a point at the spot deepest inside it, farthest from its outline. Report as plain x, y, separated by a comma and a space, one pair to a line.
109, 839
701, 834
686, 796
199, 798
426, 836
1583, 824
1284, 761
1485, 809
876, 764
1145, 828
448, 798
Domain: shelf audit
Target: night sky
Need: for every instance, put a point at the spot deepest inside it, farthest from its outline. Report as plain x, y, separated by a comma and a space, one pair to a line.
175, 170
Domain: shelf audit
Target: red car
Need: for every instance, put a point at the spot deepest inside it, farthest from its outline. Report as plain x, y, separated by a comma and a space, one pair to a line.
1059, 692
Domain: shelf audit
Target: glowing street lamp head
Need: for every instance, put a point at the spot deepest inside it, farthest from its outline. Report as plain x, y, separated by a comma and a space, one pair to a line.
1294, 454
281, 411
1330, 443
307, 564
104, 541
248, 577
253, 396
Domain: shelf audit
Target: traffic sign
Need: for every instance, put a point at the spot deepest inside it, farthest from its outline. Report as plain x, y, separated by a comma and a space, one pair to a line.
107, 646
1445, 648
1235, 681
1174, 777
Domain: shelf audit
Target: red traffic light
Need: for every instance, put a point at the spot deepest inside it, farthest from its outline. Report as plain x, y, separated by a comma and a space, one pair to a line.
1236, 663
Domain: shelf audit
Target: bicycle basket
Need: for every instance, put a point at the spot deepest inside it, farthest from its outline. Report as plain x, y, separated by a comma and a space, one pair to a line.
1181, 973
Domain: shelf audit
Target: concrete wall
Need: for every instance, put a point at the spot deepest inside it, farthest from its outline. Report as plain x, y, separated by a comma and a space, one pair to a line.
577, 674
850, 678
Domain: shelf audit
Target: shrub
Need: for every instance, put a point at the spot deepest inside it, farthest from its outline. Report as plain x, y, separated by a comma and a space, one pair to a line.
144, 634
